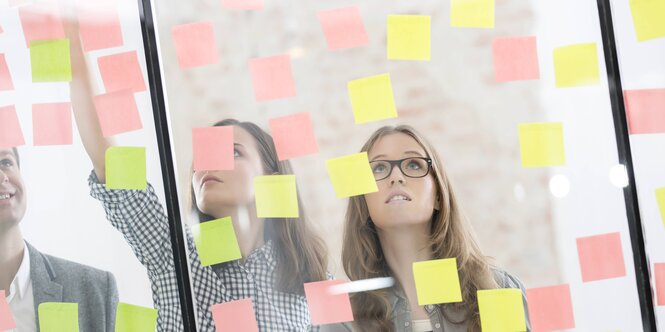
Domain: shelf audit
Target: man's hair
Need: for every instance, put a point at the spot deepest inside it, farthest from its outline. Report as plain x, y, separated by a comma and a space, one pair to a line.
18, 162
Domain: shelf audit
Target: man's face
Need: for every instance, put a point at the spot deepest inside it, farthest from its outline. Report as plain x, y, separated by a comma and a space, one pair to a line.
12, 190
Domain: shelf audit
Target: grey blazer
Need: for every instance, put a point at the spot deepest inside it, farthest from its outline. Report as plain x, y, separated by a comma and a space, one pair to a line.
58, 280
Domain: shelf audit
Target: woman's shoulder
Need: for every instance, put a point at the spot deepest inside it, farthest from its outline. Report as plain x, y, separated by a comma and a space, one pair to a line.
506, 279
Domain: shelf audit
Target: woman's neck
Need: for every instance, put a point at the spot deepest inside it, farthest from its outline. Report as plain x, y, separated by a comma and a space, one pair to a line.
247, 226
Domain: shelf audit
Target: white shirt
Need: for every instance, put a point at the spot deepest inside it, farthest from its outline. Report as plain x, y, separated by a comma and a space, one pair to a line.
20, 299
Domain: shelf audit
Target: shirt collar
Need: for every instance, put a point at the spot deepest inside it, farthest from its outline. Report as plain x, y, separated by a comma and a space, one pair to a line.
22, 277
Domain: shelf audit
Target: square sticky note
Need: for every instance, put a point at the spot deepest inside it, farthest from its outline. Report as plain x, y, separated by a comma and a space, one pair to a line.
648, 18
293, 135
50, 61
550, 308
126, 168
117, 112
351, 175
645, 110
135, 318
242, 4
11, 134
372, 99
195, 44
235, 316
276, 196
408, 37
501, 310
272, 77
6, 319
325, 307
99, 24
52, 124
121, 71
216, 241
541, 144
58, 317
343, 27
6, 82
212, 148
659, 276
576, 65
601, 257
660, 199
41, 21
472, 13
515, 59
437, 281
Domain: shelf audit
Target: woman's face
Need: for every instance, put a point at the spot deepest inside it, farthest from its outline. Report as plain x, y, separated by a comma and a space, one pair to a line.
401, 200
12, 190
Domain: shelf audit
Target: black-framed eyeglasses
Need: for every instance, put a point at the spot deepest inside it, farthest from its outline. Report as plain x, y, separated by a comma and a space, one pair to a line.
413, 167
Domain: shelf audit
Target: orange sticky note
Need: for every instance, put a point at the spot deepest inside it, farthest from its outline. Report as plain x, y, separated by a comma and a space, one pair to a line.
343, 27
41, 21
213, 148
325, 307
601, 257
99, 24
659, 276
195, 44
550, 308
515, 58
117, 112
5, 76
645, 110
293, 135
235, 316
11, 134
272, 77
242, 4
6, 319
52, 124
121, 71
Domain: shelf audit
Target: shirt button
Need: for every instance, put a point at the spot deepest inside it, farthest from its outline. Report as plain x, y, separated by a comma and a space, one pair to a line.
437, 325
406, 323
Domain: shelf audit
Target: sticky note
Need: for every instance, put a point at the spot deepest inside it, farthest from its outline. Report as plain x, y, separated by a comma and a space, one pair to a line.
472, 13
276, 196
501, 310
242, 4
343, 27
6, 319
645, 110
437, 281
135, 318
550, 308
601, 257
660, 198
515, 59
52, 124
50, 61
121, 71
408, 37
213, 148
11, 134
541, 144
372, 99
235, 316
195, 44
293, 135
117, 112
325, 307
272, 77
6, 82
126, 168
99, 24
351, 175
58, 317
576, 65
659, 276
648, 18
41, 21
216, 241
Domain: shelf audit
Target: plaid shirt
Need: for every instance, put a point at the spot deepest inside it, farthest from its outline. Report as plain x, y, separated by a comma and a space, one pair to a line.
141, 219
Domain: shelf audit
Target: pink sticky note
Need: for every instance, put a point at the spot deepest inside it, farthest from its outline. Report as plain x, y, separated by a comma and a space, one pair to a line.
293, 135
195, 44
52, 124
99, 24
343, 27
550, 308
325, 307
272, 77
121, 71
117, 112
11, 134
41, 21
5, 76
242, 4
213, 148
235, 316
6, 319
659, 272
515, 58
601, 257
645, 110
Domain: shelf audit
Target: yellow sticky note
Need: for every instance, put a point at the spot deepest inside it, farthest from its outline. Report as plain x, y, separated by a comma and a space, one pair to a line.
276, 196
660, 198
216, 241
351, 175
576, 65
648, 18
372, 99
437, 281
501, 310
472, 13
408, 37
58, 317
50, 61
126, 168
135, 318
541, 144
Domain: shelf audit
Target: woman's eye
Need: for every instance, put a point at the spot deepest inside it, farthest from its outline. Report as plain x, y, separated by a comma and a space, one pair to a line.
379, 168
414, 165
6, 163
236, 153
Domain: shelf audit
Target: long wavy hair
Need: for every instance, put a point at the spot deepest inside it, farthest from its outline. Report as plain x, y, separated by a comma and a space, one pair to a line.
451, 236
